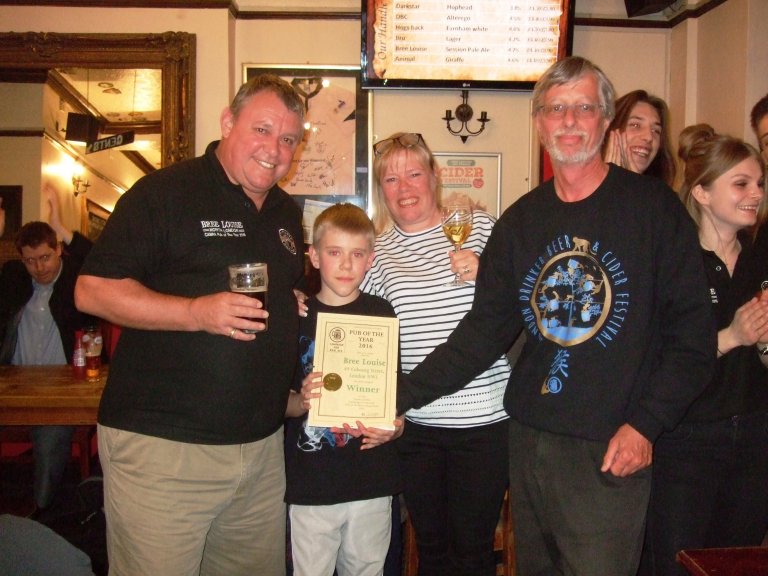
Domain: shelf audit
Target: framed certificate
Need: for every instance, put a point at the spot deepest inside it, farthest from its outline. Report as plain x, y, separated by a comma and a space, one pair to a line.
358, 358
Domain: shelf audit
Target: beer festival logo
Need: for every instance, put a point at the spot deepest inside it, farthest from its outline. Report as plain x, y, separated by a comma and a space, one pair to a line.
568, 298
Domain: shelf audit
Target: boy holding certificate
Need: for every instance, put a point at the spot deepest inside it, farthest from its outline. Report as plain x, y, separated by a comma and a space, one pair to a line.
339, 491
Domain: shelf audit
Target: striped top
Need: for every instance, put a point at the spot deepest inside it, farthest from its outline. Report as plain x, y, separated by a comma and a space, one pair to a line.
411, 271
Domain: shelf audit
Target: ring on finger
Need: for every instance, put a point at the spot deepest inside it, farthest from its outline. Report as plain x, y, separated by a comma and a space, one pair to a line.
465, 270
232, 332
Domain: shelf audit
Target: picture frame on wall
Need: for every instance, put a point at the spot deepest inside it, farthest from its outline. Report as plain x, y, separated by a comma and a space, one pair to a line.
96, 220
330, 164
477, 175
10, 202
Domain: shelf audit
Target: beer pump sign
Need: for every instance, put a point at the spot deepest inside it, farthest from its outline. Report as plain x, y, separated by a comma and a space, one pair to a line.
110, 142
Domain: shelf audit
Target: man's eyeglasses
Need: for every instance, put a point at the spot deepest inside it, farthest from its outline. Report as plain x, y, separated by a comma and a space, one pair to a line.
44, 259
405, 140
586, 111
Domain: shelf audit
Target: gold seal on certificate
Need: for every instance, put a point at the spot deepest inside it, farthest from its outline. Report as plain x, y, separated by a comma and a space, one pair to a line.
332, 382
358, 358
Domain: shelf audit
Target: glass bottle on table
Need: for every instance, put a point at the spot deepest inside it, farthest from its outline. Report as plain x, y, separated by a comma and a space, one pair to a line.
78, 357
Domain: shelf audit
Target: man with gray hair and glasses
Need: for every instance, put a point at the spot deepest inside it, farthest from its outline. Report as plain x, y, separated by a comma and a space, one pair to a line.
601, 268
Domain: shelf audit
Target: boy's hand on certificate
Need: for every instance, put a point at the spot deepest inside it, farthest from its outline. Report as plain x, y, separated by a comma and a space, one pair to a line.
309, 385
373, 437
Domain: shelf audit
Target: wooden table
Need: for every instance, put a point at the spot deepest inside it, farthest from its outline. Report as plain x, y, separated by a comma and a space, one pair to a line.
725, 561
31, 395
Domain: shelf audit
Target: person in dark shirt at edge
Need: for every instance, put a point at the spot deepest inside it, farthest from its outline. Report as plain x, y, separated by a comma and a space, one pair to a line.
190, 422
759, 120
710, 472
601, 267
38, 321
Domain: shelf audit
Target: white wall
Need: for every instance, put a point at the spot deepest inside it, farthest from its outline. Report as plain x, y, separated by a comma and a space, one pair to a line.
757, 64
633, 58
720, 68
721, 93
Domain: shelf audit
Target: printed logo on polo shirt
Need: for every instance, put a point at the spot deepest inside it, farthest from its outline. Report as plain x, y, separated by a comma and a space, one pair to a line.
287, 240
574, 293
222, 228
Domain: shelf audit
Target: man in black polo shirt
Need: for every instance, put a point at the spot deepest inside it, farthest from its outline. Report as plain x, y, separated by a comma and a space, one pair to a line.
190, 423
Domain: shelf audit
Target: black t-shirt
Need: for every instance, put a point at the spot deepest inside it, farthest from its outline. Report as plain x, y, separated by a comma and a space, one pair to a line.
740, 382
176, 231
323, 468
612, 294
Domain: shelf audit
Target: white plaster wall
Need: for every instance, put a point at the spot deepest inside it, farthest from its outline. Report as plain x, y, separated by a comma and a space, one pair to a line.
632, 58
683, 78
722, 51
757, 63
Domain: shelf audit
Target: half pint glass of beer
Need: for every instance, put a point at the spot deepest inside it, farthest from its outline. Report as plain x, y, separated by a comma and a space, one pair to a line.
250, 279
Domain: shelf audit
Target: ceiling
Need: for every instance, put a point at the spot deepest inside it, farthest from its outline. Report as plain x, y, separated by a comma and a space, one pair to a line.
121, 96
122, 100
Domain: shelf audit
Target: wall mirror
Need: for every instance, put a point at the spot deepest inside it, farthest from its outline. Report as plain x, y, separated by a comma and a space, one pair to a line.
32, 56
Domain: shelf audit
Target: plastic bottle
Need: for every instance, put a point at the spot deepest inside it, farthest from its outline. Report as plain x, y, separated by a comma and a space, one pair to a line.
78, 356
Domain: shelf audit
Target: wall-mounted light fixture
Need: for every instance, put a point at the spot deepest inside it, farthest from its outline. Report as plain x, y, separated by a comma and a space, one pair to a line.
464, 114
81, 128
80, 185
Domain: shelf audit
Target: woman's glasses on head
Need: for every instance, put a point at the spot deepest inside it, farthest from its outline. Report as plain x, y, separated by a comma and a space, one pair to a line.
408, 140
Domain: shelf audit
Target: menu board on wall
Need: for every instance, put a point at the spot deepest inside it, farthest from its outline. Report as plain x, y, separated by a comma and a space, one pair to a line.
462, 43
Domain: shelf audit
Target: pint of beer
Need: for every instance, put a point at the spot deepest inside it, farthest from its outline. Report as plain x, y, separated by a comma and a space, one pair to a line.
250, 279
92, 342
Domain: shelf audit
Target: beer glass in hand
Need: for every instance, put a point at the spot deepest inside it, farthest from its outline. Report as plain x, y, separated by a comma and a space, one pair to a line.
456, 218
251, 280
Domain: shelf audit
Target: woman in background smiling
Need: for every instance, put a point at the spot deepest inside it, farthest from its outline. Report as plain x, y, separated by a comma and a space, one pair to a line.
638, 136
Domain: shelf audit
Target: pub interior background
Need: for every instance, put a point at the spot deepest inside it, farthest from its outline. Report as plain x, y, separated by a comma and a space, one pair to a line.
707, 58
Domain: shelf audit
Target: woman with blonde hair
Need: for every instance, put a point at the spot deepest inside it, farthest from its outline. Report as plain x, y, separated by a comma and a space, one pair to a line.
454, 451
710, 473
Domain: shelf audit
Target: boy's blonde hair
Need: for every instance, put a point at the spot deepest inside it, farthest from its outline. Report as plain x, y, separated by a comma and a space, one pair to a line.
345, 217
